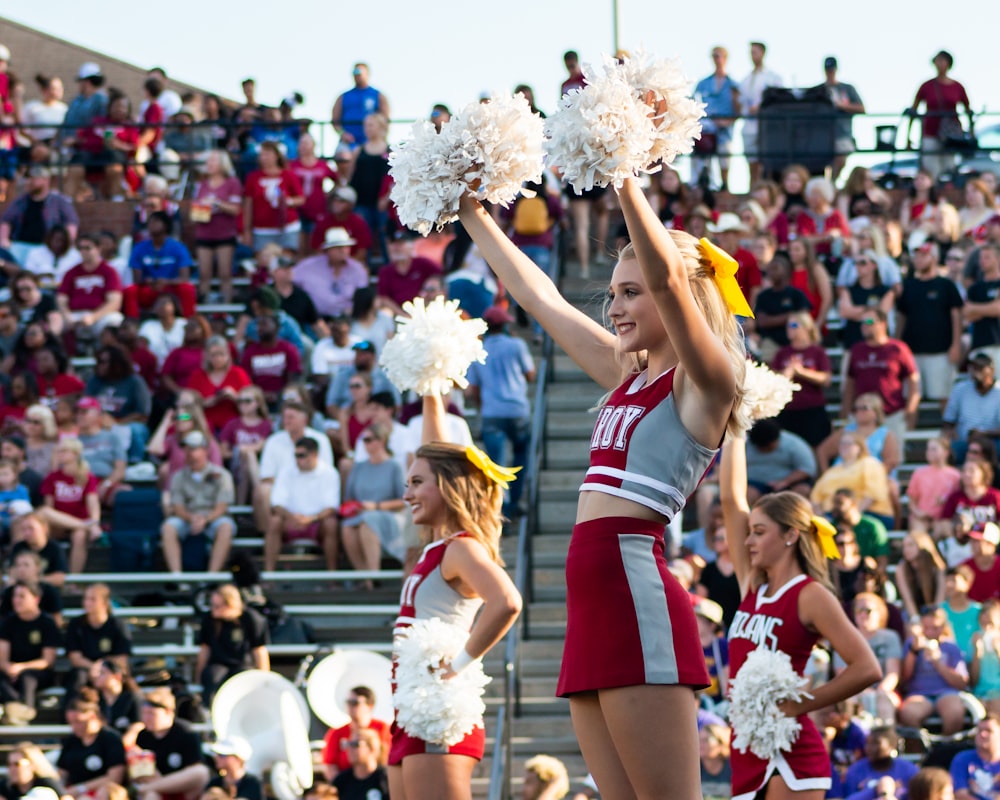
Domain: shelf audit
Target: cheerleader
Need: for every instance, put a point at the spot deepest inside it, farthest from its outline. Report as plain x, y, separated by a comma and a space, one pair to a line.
780, 551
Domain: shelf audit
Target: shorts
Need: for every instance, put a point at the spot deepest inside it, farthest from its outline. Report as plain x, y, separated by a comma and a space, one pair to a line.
309, 533
215, 244
629, 622
184, 529
403, 745
937, 374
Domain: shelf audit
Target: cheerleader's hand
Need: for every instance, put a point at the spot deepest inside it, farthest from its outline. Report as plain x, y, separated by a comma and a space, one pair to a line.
790, 708
445, 671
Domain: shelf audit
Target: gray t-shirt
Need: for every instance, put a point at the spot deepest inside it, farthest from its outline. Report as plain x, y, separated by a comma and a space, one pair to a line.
792, 453
101, 450
884, 643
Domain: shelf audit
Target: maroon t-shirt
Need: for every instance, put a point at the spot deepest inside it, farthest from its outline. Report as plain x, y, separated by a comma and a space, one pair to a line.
237, 433
985, 583
941, 101
88, 290
312, 186
812, 357
984, 509
68, 496
271, 366
221, 226
182, 362
400, 287
882, 369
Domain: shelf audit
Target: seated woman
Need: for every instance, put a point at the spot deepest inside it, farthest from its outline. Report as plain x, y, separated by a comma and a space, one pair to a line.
34, 305
920, 573
218, 381
120, 699
165, 331
372, 498
820, 222
166, 443
930, 485
984, 668
974, 501
123, 395
93, 755
55, 380
34, 338
243, 438
810, 277
868, 420
859, 472
804, 361
27, 767
40, 435
932, 675
233, 638
713, 751
356, 416
369, 323
72, 506
20, 395
96, 636
49, 263
861, 196
871, 615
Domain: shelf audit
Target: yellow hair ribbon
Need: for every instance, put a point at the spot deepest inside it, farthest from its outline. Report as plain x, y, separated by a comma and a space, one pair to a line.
724, 268
827, 535
496, 473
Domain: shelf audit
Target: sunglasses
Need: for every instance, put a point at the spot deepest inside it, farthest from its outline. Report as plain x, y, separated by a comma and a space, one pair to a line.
245, 400
868, 321
864, 610
862, 408
352, 701
367, 439
355, 386
184, 417
793, 325
300, 454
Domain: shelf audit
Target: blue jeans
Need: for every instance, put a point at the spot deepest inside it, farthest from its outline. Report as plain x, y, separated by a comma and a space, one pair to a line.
496, 432
376, 221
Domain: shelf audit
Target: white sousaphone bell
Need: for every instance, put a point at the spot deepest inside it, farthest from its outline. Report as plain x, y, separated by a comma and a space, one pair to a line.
330, 682
271, 714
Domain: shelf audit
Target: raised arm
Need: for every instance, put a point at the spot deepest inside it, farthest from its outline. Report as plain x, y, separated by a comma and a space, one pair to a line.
735, 507
435, 427
699, 350
588, 344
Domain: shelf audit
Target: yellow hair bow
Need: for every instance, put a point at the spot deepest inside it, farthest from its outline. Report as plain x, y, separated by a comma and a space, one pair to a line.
724, 268
496, 473
827, 535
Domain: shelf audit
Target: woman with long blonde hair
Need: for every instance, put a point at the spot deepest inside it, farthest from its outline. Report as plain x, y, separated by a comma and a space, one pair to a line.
920, 572
672, 363
804, 361
859, 471
780, 550
72, 505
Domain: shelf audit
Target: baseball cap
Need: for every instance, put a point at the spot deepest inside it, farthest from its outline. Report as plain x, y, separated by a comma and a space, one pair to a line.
89, 402
162, 697
88, 69
986, 532
195, 439
345, 193
495, 315
365, 345
830, 63
4, 53
233, 746
980, 358
402, 234
709, 609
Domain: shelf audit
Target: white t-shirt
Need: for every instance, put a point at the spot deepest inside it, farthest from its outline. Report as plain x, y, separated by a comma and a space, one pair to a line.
37, 113
161, 341
401, 442
42, 262
378, 333
327, 357
307, 492
279, 452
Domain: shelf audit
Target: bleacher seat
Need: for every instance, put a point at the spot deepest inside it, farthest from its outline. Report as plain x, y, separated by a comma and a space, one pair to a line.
135, 530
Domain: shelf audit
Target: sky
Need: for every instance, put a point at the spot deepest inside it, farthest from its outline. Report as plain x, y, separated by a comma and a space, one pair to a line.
450, 52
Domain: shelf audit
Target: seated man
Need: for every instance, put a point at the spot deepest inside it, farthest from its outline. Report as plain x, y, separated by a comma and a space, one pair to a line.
401, 279
28, 643
90, 294
971, 768
973, 405
360, 709
271, 362
197, 504
366, 778
341, 202
304, 505
180, 772
869, 532
231, 756
777, 461
159, 264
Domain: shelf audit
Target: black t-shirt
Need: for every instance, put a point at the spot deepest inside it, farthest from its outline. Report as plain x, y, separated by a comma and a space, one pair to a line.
11, 792
84, 763
51, 602
230, 643
28, 638
927, 306
985, 331
860, 296
374, 787
111, 639
39, 313
248, 787
52, 556
180, 747
124, 711
300, 307
779, 301
32, 224
723, 589
32, 481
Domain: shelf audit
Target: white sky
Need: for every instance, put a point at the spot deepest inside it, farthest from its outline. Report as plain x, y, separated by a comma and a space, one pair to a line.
422, 53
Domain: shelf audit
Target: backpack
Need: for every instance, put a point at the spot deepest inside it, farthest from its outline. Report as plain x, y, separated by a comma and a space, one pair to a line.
531, 216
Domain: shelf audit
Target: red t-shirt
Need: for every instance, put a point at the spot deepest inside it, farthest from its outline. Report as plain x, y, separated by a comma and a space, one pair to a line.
985, 509
221, 226
182, 362
353, 223
748, 274
61, 385
311, 179
985, 583
92, 139
800, 280
67, 495
882, 369
225, 410
400, 287
146, 366
335, 743
807, 225
271, 366
237, 433
267, 195
88, 290
941, 101
153, 118
812, 357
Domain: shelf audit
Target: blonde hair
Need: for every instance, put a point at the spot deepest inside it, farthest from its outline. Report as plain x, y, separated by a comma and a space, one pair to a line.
875, 401
858, 439
791, 511
380, 432
719, 733
50, 431
225, 162
74, 445
805, 320
550, 771
708, 298
40, 765
472, 500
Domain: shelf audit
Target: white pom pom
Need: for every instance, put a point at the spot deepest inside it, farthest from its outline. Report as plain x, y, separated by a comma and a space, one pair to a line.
605, 132
489, 148
765, 679
766, 392
427, 706
433, 347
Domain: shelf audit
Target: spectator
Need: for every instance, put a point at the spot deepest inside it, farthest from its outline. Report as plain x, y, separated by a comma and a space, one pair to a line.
279, 454
353, 106
90, 294
183, 361
920, 573
500, 388
941, 96
28, 219
312, 171
92, 757
880, 768
30, 531
721, 96
862, 473
870, 533
11, 491
338, 396
96, 636
155, 197
106, 147
974, 502
532, 222
90, 104
167, 442
332, 277
805, 362
367, 176
19, 397
35, 306
373, 499
165, 332
242, 440
270, 363
294, 301
713, 753
272, 195
126, 338
107, 243
861, 198
576, 79
369, 321
718, 580
963, 614
979, 210
846, 103
121, 702
871, 616
233, 780
869, 422
186, 144
401, 442
360, 709
400, 280
340, 213
774, 306
984, 564
984, 660
43, 117
266, 301
367, 778
820, 223
28, 643
10, 329
123, 396
71, 501
218, 202
982, 311
777, 461
160, 265
180, 769
974, 405
332, 352
933, 673
105, 452
811, 278
219, 382
26, 567
971, 769
304, 503
233, 638
886, 367
752, 90
40, 437
28, 768
356, 416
